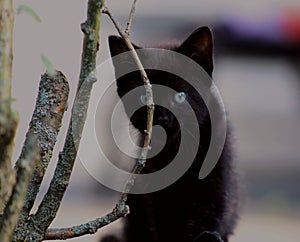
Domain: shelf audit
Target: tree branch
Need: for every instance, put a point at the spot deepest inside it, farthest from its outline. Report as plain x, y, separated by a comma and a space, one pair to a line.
121, 208
6, 50
15, 203
45, 123
87, 228
8, 119
150, 103
48, 208
129, 23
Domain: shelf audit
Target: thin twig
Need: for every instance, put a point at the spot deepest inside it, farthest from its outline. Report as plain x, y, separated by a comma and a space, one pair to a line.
88, 228
45, 123
115, 22
15, 203
150, 105
129, 23
39, 223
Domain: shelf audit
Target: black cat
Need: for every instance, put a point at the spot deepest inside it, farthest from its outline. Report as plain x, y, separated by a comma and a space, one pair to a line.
190, 209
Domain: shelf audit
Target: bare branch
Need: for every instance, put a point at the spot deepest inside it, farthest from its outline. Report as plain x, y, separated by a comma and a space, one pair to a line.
121, 208
8, 119
50, 204
6, 50
129, 23
89, 227
150, 104
112, 18
15, 203
45, 123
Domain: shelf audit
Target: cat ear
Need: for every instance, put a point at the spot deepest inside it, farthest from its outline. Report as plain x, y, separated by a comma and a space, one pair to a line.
117, 45
199, 47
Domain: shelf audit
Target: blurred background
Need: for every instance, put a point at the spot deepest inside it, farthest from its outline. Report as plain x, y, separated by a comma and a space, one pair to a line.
257, 70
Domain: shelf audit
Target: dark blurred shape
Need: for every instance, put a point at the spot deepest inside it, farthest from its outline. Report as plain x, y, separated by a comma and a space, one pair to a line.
277, 36
109, 238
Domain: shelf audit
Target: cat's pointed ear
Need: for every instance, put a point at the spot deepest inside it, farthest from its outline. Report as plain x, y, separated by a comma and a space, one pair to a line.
199, 47
117, 45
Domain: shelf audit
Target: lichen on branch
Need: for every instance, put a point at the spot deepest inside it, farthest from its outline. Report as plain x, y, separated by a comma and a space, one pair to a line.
50, 204
45, 124
13, 208
90, 227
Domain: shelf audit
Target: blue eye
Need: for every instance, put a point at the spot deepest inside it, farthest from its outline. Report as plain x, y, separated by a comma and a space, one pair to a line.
143, 99
180, 97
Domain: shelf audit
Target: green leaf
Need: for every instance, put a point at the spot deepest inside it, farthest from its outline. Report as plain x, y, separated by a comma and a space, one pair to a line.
30, 11
48, 64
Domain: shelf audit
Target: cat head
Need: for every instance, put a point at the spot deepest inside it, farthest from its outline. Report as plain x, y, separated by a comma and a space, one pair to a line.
198, 46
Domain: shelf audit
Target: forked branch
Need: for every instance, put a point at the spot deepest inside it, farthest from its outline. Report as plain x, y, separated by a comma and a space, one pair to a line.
121, 208
45, 124
149, 98
41, 220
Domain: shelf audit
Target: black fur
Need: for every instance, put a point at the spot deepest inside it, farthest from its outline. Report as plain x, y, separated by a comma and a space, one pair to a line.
190, 209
